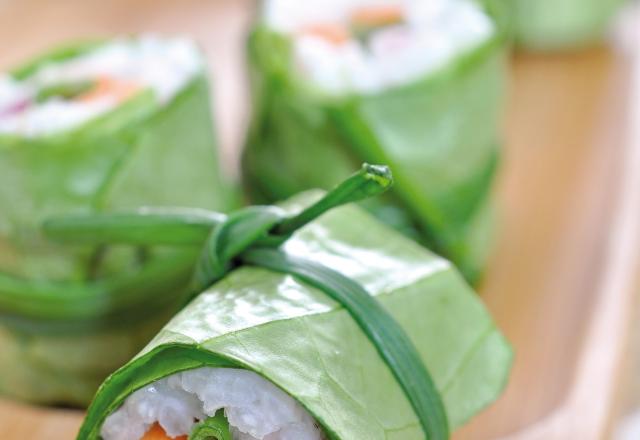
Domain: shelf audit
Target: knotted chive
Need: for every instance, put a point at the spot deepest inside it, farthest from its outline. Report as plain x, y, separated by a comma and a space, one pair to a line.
252, 236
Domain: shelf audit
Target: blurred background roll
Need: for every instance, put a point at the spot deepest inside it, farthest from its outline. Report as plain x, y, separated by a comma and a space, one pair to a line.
100, 126
416, 85
561, 24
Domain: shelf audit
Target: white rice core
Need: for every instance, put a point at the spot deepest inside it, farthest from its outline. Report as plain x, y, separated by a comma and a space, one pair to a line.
162, 65
255, 408
433, 33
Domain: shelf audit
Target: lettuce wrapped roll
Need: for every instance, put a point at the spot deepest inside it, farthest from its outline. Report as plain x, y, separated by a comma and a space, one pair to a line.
307, 327
417, 85
99, 126
561, 24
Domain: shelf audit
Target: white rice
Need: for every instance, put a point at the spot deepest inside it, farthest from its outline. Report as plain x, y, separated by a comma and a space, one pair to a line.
162, 65
434, 32
255, 408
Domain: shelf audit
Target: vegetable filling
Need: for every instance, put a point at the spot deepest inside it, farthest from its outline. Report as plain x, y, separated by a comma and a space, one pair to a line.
60, 95
219, 403
367, 46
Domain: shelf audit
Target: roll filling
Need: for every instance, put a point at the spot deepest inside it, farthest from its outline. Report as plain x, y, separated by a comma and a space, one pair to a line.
364, 46
63, 94
172, 407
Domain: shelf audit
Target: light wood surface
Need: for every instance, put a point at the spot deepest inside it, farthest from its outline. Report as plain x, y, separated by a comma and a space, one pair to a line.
559, 284
562, 281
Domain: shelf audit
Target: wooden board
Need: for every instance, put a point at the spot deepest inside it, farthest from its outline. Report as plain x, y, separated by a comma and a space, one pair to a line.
560, 281
558, 285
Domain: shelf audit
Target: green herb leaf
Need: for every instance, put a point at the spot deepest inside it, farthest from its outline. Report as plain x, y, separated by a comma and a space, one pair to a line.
370, 181
213, 428
146, 227
64, 90
266, 226
241, 230
153, 226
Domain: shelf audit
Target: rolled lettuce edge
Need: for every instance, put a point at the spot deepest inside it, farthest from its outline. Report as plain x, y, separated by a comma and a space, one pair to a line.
160, 362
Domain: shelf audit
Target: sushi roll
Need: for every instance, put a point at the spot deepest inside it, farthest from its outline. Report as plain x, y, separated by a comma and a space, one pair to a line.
415, 84
562, 24
314, 321
96, 126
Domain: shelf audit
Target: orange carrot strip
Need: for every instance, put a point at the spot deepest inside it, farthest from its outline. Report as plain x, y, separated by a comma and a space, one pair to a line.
332, 32
376, 16
107, 86
157, 433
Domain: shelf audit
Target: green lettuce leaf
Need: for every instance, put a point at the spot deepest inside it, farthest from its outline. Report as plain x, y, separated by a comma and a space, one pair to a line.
296, 336
69, 315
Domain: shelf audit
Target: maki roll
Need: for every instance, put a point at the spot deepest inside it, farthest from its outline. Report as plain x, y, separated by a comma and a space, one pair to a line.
415, 84
561, 24
98, 126
314, 321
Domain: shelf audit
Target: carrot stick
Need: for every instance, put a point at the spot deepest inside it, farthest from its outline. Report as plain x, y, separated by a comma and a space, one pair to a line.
108, 86
157, 433
331, 32
377, 16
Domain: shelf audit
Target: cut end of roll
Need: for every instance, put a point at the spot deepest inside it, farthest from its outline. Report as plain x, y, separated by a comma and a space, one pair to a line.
368, 46
58, 95
170, 408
